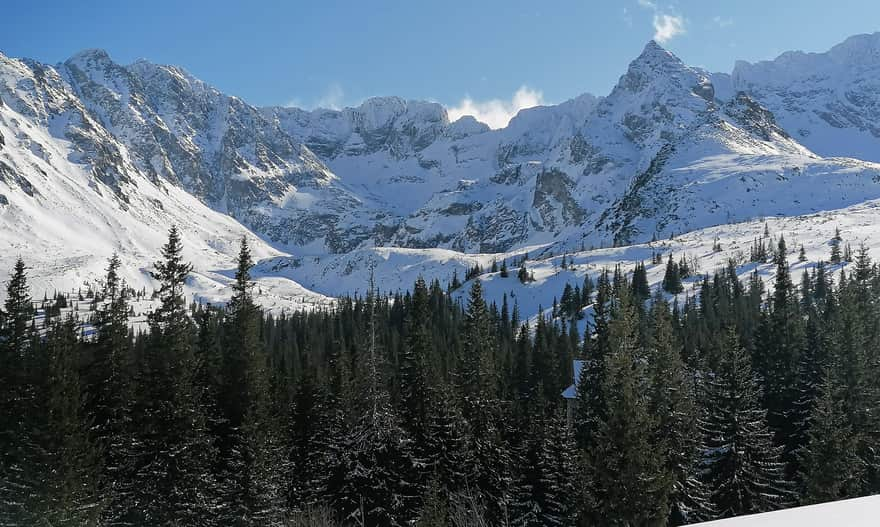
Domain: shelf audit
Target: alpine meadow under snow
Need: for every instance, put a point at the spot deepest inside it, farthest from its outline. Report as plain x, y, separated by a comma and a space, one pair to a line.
367, 316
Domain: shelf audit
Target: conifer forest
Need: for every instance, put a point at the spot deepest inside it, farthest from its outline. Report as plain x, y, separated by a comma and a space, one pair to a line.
413, 408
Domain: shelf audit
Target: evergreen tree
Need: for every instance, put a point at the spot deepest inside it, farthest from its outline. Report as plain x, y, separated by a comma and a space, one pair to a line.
174, 480
672, 278
414, 363
373, 475
641, 291
18, 400
676, 437
259, 439
68, 456
830, 461
835, 247
778, 356
630, 483
744, 468
110, 405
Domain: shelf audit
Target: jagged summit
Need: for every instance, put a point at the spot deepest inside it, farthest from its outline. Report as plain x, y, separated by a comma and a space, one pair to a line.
663, 153
90, 55
653, 52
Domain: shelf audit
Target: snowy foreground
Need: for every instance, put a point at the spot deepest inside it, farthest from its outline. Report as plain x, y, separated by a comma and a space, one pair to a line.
859, 512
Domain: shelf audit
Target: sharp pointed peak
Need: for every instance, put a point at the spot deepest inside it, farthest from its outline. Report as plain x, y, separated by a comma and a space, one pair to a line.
90, 54
654, 52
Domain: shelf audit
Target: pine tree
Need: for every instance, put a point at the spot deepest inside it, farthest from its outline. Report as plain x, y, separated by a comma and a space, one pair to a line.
672, 278
676, 436
18, 400
174, 479
258, 432
110, 404
630, 483
744, 468
372, 479
414, 363
69, 457
778, 356
831, 468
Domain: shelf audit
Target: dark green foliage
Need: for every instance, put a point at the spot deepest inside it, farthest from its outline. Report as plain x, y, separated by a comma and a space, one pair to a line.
672, 278
629, 480
831, 469
419, 409
744, 467
174, 452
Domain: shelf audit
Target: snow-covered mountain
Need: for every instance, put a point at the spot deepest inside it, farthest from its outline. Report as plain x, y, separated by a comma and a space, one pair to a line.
829, 102
96, 156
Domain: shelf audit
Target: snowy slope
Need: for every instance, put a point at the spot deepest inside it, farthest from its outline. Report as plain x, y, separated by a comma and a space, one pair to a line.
97, 156
65, 222
830, 102
859, 512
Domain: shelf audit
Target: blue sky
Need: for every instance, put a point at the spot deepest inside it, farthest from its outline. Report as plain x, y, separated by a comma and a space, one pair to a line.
495, 54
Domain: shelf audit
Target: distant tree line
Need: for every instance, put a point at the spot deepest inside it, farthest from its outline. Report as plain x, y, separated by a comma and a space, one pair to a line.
415, 409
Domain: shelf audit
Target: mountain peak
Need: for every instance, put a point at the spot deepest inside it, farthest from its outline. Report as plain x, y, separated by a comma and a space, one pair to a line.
655, 53
857, 49
87, 56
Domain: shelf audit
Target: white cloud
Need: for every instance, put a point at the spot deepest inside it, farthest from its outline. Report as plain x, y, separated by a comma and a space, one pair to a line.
332, 98
497, 112
667, 27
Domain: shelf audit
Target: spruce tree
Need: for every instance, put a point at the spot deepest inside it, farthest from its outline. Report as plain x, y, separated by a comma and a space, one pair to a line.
69, 457
372, 478
110, 386
676, 436
256, 429
778, 356
545, 492
174, 480
743, 467
18, 399
672, 278
414, 363
629, 480
831, 468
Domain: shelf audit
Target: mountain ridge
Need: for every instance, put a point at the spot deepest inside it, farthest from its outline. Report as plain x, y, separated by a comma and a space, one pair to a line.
670, 149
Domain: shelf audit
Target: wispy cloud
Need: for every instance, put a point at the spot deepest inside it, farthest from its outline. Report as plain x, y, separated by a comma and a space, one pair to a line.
667, 25
497, 112
332, 98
